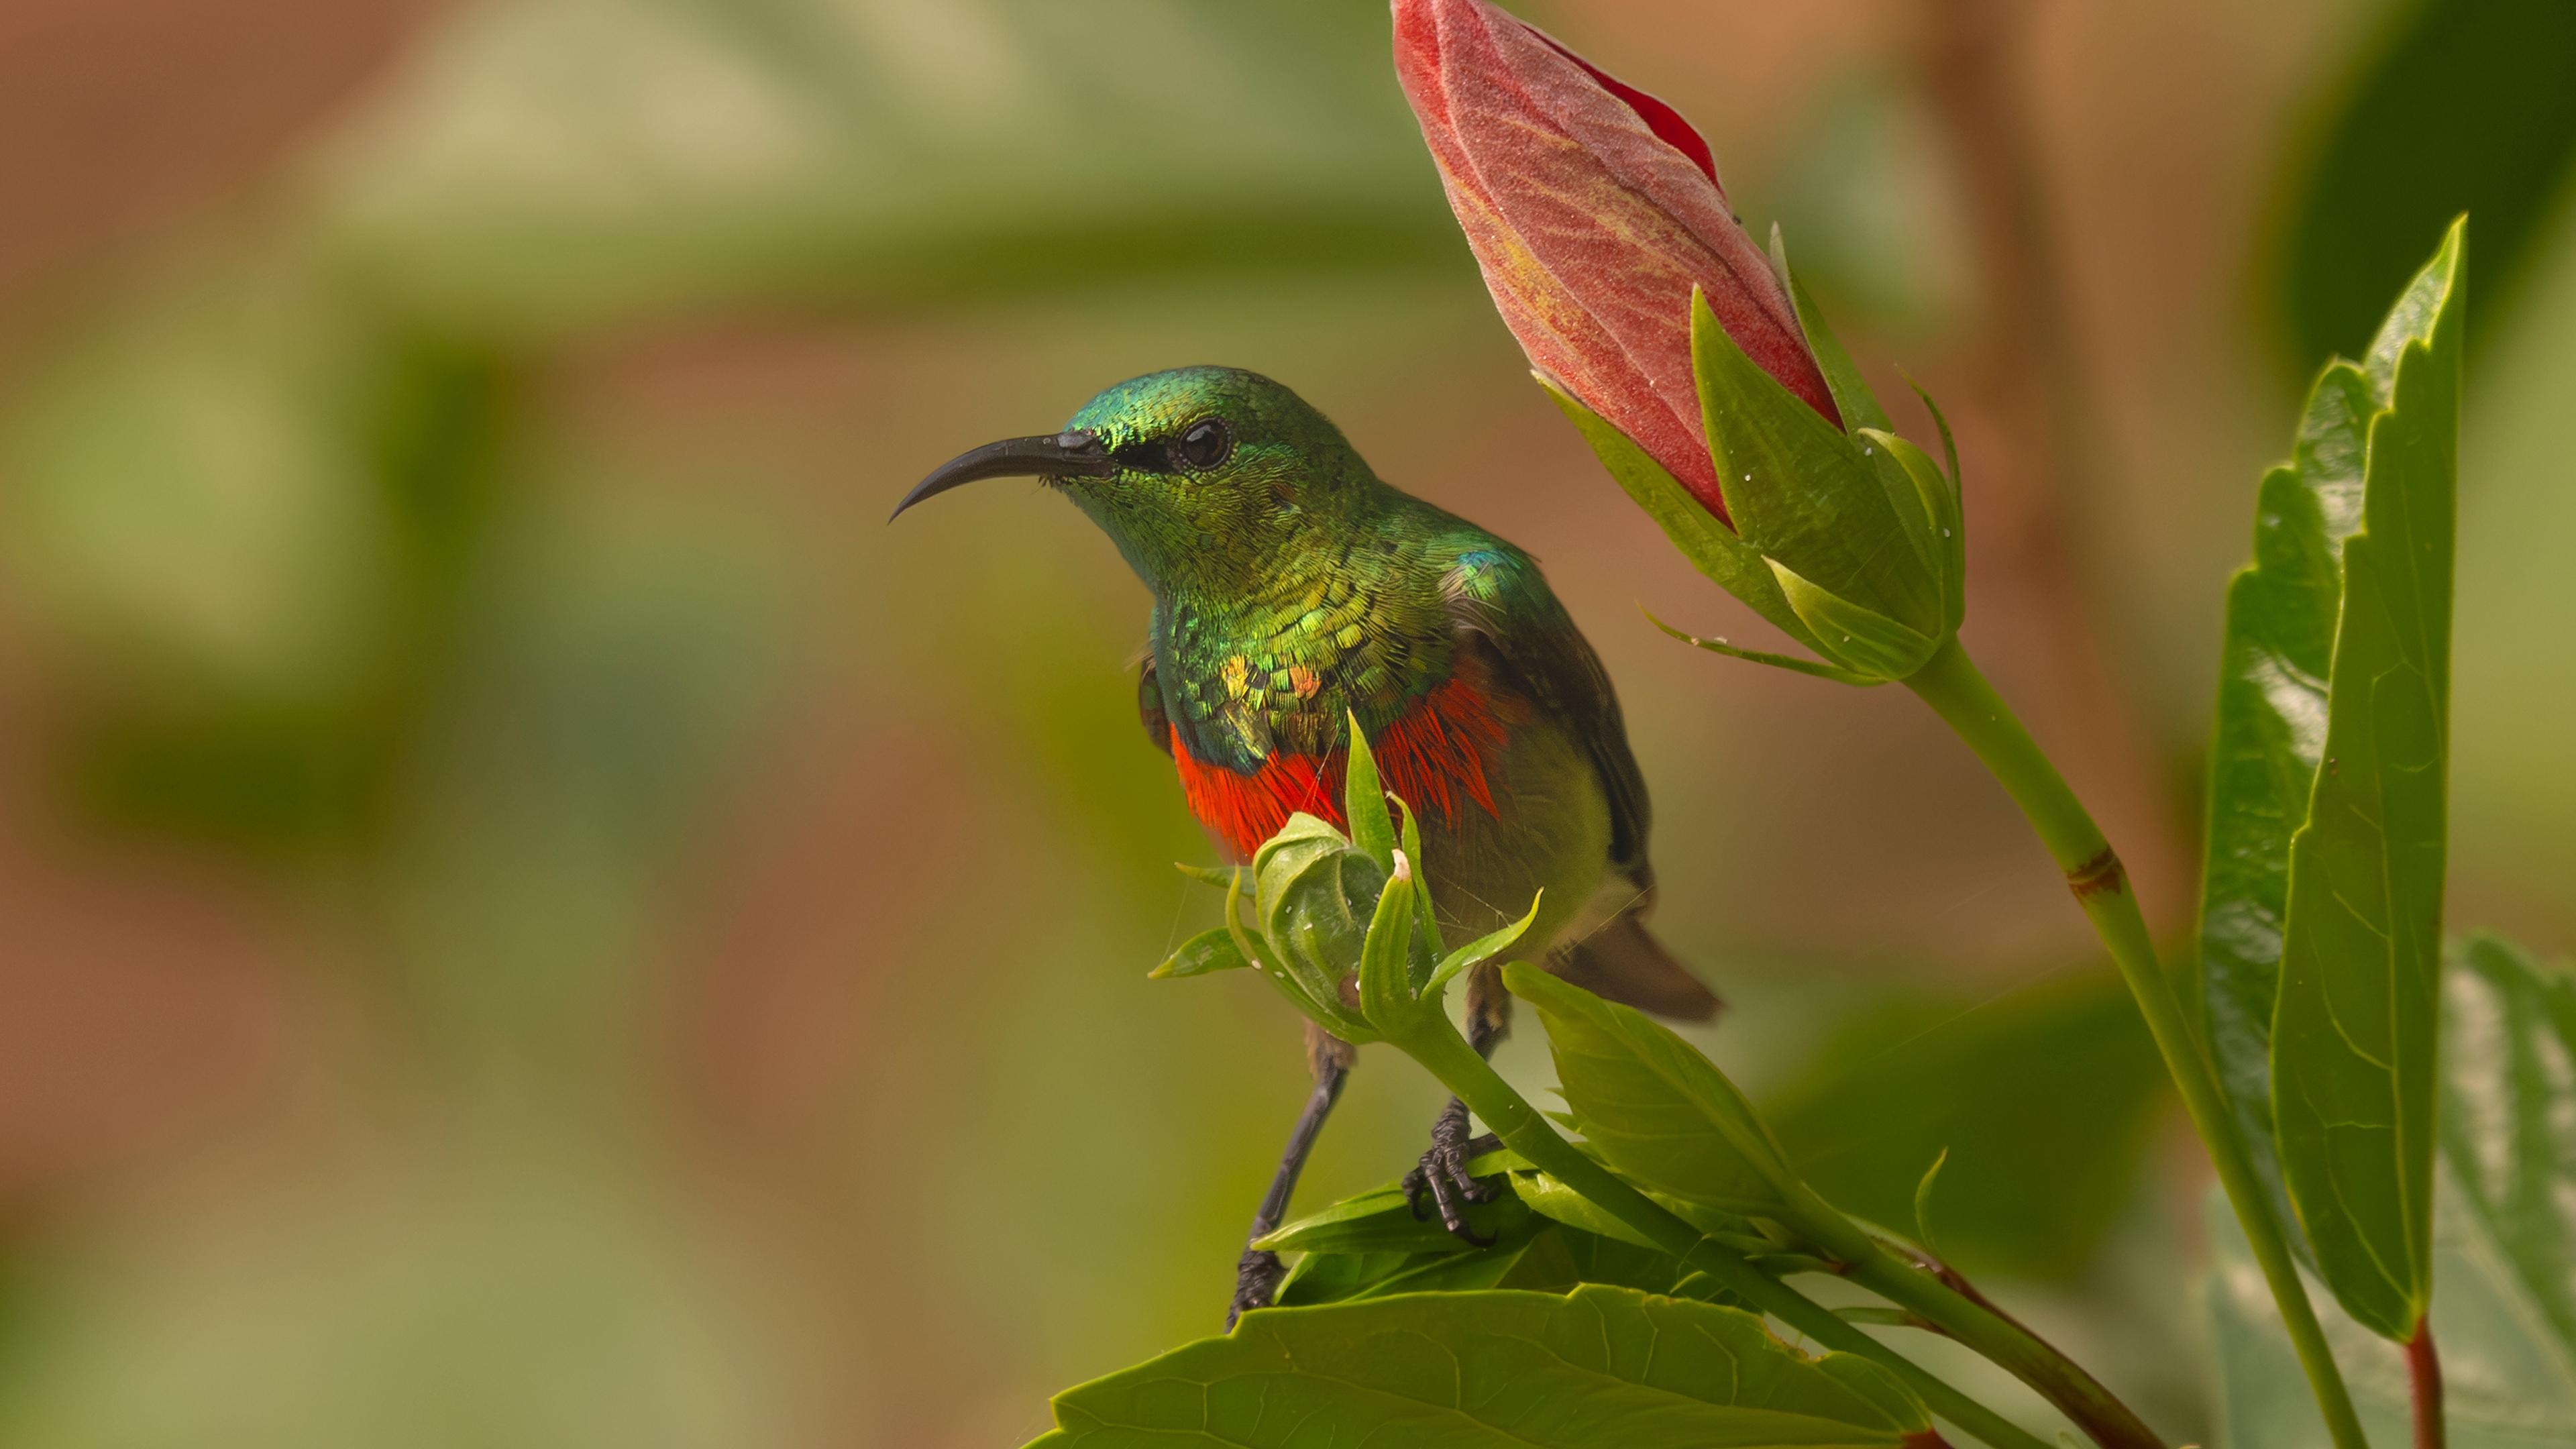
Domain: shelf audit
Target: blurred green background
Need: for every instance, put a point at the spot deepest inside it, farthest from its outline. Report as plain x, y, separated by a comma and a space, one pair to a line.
530, 916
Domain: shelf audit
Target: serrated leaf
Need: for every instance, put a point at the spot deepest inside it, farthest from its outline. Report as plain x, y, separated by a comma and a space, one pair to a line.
2270, 738
1599, 1366
1211, 950
2354, 1034
1656, 1110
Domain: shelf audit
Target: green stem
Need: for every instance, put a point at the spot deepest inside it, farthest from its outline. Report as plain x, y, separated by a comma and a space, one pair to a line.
2003, 1342
1437, 1045
1954, 689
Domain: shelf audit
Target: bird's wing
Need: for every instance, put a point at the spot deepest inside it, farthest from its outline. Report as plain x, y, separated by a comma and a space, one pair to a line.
1149, 705
1504, 611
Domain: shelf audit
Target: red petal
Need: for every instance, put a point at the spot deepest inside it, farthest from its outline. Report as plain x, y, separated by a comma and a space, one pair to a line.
1660, 118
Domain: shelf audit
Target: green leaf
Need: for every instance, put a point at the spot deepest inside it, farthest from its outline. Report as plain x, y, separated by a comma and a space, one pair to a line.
2503, 1245
1600, 1366
1382, 1222
2045, 1098
862, 162
2353, 1037
2270, 741
1710, 545
2509, 1123
1211, 950
2456, 106
1207, 875
1552, 1199
1655, 1109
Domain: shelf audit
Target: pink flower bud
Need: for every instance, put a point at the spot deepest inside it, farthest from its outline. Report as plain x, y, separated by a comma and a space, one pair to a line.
1593, 209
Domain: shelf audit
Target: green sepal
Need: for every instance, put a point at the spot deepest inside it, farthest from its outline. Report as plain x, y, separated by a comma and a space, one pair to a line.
1364, 801
1957, 537
1712, 547
1426, 920
1915, 482
1310, 918
1790, 662
1852, 395
1483, 948
1210, 950
1208, 875
1386, 986
1802, 493
1856, 634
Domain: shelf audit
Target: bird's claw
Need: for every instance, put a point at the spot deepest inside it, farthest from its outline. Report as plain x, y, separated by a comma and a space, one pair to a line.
1256, 1282
1442, 1175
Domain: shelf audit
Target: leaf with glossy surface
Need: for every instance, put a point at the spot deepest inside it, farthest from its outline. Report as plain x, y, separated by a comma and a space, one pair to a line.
2270, 739
2353, 1036
1656, 1110
1600, 1366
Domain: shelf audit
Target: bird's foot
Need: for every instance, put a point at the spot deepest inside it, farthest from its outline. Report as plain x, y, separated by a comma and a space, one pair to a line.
1256, 1283
1442, 1174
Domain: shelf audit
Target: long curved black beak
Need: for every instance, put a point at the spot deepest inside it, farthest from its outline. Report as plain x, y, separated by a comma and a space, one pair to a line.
1056, 455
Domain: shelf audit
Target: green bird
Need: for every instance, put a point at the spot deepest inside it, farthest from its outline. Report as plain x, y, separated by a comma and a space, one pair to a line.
1294, 590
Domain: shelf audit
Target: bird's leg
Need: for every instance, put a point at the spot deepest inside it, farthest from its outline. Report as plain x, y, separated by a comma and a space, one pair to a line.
1257, 1273
1442, 1173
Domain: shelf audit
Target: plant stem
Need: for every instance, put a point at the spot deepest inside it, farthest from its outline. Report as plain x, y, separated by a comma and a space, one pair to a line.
1439, 1048
2424, 1378
1958, 693
2002, 1341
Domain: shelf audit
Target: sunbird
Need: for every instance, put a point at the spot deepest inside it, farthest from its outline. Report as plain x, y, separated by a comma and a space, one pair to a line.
1294, 591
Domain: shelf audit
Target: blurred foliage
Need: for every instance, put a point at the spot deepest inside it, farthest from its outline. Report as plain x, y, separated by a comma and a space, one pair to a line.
2502, 1240
2044, 1099
2461, 105
558, 163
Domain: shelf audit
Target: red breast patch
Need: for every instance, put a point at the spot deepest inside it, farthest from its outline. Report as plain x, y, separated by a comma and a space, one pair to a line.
1433, 758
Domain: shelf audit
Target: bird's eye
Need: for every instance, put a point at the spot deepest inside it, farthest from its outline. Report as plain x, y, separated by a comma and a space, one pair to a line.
1204, 444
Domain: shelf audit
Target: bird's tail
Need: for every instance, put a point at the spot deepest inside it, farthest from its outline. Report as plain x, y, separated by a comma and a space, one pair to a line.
1621, 962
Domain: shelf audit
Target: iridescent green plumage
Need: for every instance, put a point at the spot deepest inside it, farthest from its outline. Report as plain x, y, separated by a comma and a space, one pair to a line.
1293, 591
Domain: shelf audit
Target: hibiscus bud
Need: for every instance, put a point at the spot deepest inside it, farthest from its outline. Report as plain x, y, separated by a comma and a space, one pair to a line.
1594, 209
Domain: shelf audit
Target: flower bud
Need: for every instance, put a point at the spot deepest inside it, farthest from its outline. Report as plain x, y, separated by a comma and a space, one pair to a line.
1594, 210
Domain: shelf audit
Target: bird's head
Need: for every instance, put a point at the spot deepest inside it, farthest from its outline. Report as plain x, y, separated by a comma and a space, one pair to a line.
1201, 475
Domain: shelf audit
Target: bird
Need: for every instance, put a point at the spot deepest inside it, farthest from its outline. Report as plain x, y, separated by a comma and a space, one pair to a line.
1296, 595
